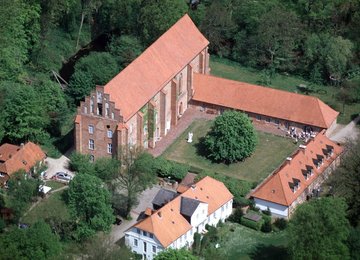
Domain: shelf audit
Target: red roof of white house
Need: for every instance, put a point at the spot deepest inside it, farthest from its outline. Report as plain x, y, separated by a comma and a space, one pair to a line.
167, 224
134, 86
270, 102
277, 188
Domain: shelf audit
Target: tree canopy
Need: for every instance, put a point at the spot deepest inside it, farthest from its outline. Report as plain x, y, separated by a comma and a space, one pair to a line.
89, 205
232, 138
346, 182
35, 242
319, 230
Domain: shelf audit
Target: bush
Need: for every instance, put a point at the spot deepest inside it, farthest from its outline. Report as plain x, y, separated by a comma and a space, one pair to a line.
166, 168
281, 223
266, 227
267, 212
252, 224
236, 216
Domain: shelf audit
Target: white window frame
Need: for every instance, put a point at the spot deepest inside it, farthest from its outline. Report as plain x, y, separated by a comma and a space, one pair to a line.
91, 144
136, 242
109, 148
154, 249
91, 129
109, 133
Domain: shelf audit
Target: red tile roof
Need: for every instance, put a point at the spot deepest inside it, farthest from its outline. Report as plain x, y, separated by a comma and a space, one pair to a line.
134, 86
171, 225
16, 157
277, 189
264, 101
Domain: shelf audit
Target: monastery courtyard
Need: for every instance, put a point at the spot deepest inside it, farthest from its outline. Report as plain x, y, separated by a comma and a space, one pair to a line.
271, 149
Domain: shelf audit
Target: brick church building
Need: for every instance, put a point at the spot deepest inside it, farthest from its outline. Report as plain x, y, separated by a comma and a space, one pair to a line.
145, 100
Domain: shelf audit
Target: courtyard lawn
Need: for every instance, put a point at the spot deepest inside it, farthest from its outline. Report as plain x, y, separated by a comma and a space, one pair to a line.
232, 70
239, 242
270, 151
51, 206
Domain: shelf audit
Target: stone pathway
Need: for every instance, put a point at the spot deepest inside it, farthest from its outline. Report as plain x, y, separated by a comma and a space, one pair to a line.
184, 122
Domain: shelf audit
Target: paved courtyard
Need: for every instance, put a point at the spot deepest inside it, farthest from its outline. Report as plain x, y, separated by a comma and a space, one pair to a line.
145, 199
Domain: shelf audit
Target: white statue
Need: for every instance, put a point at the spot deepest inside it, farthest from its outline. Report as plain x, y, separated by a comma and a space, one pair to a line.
190, 136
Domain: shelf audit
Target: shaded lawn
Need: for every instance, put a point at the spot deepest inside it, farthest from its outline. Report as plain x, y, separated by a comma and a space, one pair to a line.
270, 151
54, 184
227, 69
239, 242
51, 206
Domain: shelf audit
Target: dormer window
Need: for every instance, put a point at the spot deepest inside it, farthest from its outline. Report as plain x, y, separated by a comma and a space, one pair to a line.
295, 185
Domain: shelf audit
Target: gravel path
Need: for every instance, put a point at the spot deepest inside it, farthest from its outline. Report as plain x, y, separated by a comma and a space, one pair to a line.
348, 133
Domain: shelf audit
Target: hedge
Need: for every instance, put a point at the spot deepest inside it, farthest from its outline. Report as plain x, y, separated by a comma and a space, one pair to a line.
166, 168
252, 224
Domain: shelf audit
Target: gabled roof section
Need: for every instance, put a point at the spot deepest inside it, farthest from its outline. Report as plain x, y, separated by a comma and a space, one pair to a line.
19, 157
134, 86
163, 197
264, 101
302, 169
167, 224
188, 206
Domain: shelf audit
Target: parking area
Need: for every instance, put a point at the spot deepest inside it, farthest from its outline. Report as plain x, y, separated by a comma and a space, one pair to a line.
57, 165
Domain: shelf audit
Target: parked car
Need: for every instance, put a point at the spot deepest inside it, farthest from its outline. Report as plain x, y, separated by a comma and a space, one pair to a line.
63, 177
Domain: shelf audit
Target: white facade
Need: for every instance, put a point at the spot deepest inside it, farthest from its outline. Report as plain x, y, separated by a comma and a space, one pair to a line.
276, 209
146, 244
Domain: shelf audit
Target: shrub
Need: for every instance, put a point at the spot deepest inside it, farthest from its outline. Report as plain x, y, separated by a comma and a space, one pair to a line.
266, 226
281, 223
267, 212
251, 224
166, 168
236, 216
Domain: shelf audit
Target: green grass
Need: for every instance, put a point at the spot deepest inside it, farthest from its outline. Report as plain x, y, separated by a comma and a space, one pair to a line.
227, 69
239, 242
51, 206
270, 151
54, 185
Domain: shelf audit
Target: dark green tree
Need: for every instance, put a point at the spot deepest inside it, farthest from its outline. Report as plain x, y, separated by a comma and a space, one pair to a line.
80, 86
329, 55
19, 31
36, 242
278, 36
346, 182
158, 16
100, 66
22, 190
134, 177
232, 138
24, 116
125, 49
175, 254
319, 229
354, 243
89, 205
